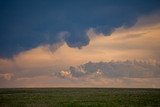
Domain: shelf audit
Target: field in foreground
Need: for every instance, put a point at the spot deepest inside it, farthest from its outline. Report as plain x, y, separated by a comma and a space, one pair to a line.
79, 97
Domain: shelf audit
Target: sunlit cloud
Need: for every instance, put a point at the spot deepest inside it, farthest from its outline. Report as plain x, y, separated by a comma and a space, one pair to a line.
46, 64
6, 76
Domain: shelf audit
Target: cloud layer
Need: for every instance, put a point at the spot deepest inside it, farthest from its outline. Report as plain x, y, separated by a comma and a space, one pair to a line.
127, 58
28, 24
128, 69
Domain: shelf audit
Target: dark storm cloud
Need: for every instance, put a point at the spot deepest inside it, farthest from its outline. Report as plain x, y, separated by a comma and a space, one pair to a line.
28, 24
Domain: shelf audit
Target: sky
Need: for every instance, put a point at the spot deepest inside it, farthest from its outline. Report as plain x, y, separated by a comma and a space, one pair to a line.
80, 43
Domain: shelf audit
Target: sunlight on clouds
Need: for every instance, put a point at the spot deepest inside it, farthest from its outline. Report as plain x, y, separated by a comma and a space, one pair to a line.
141, 42
137, 42
6, 76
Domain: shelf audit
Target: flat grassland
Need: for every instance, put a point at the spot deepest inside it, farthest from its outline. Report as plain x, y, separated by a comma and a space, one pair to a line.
79, 97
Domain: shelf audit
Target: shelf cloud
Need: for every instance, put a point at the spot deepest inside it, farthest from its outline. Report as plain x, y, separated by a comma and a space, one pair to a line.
28, 24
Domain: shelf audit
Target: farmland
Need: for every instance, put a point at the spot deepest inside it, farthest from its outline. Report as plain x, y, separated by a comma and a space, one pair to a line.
79, 97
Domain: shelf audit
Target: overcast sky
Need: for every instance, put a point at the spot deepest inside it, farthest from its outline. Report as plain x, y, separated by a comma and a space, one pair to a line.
80, 43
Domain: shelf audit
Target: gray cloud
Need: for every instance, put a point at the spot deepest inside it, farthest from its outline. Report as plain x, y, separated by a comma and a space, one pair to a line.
112, 69
93, 74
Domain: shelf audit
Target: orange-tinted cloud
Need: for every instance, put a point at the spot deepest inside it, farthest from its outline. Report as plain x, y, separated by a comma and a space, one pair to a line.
140, 42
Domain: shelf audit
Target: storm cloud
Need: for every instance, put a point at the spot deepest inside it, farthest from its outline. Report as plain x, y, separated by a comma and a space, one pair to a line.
29, 24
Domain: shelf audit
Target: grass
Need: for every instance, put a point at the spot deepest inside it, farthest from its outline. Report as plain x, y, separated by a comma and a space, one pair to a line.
79, 97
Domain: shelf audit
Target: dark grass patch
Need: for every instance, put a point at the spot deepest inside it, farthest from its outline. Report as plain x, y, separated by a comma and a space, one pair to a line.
79, 97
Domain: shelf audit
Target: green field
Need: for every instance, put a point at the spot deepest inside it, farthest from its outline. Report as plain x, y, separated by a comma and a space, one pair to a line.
79, 97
